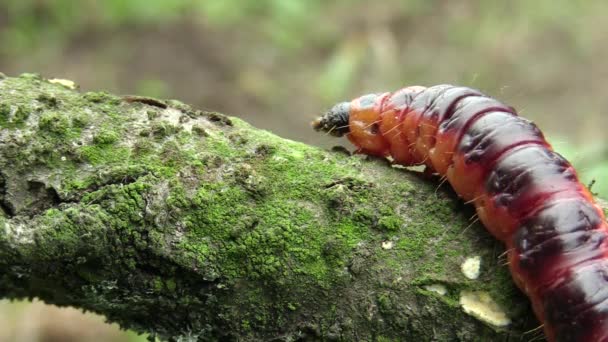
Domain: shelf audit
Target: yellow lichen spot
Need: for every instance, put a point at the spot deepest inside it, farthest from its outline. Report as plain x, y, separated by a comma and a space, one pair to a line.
66, 83
481, 306
471, 266
437, 288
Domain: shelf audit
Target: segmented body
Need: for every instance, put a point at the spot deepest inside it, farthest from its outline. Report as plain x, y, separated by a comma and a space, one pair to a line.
527, 195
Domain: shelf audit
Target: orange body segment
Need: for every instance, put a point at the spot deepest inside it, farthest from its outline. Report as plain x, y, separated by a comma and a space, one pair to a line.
466, 178
442, 154
389, 127
364, 125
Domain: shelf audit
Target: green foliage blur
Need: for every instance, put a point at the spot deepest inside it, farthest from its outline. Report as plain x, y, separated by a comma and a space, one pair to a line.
279, 63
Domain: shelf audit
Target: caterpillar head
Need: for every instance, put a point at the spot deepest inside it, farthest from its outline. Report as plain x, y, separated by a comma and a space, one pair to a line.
335, 121
359, 120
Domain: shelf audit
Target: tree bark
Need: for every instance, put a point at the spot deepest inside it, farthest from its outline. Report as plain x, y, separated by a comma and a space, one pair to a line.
192, 225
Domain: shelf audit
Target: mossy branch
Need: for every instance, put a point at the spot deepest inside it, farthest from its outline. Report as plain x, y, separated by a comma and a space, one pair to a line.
193, 225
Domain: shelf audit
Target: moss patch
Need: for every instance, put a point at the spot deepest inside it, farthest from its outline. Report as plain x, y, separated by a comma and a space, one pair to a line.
229, 231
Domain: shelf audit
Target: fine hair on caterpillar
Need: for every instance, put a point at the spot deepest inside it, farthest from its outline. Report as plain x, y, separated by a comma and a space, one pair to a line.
525, 194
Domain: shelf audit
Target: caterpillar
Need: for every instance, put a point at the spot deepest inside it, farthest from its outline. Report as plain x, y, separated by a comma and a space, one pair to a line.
526, 194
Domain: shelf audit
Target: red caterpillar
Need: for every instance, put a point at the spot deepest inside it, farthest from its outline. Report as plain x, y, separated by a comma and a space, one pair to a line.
527, 195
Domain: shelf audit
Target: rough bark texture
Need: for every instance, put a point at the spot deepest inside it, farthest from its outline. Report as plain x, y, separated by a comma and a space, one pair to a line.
192, 225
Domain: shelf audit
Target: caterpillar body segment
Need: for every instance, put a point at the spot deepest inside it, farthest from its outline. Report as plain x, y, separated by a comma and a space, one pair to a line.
526, 195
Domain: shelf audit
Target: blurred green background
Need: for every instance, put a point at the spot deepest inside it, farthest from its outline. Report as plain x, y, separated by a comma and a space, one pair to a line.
278, 63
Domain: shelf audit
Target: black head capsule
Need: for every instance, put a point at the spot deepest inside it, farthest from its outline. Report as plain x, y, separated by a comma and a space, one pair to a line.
335, 121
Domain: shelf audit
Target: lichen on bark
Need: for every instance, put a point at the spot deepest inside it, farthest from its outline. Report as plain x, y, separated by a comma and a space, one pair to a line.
194, 225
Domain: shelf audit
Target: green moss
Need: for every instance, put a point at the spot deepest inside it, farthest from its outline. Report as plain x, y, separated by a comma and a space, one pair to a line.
384, 302
54, 122
80, 120
390, 223
78, 184
170, 285
101, 97
49, 100
103, 154
200, 131
366, 216
31, 76
5, 112
13, 116
164, 129
158, 285
228, 226
105, 137
387, 339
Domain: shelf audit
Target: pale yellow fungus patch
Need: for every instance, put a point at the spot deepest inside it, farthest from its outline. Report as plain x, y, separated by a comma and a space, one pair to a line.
481, 306
66, 83
437, 288
471, 267
388, 245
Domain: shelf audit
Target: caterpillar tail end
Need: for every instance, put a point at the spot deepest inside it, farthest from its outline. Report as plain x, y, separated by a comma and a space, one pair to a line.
335, 121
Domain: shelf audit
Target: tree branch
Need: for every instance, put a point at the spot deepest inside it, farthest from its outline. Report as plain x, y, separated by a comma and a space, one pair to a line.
193, 225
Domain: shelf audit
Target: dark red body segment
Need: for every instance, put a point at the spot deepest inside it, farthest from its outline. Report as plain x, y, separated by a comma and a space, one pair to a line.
527, 195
